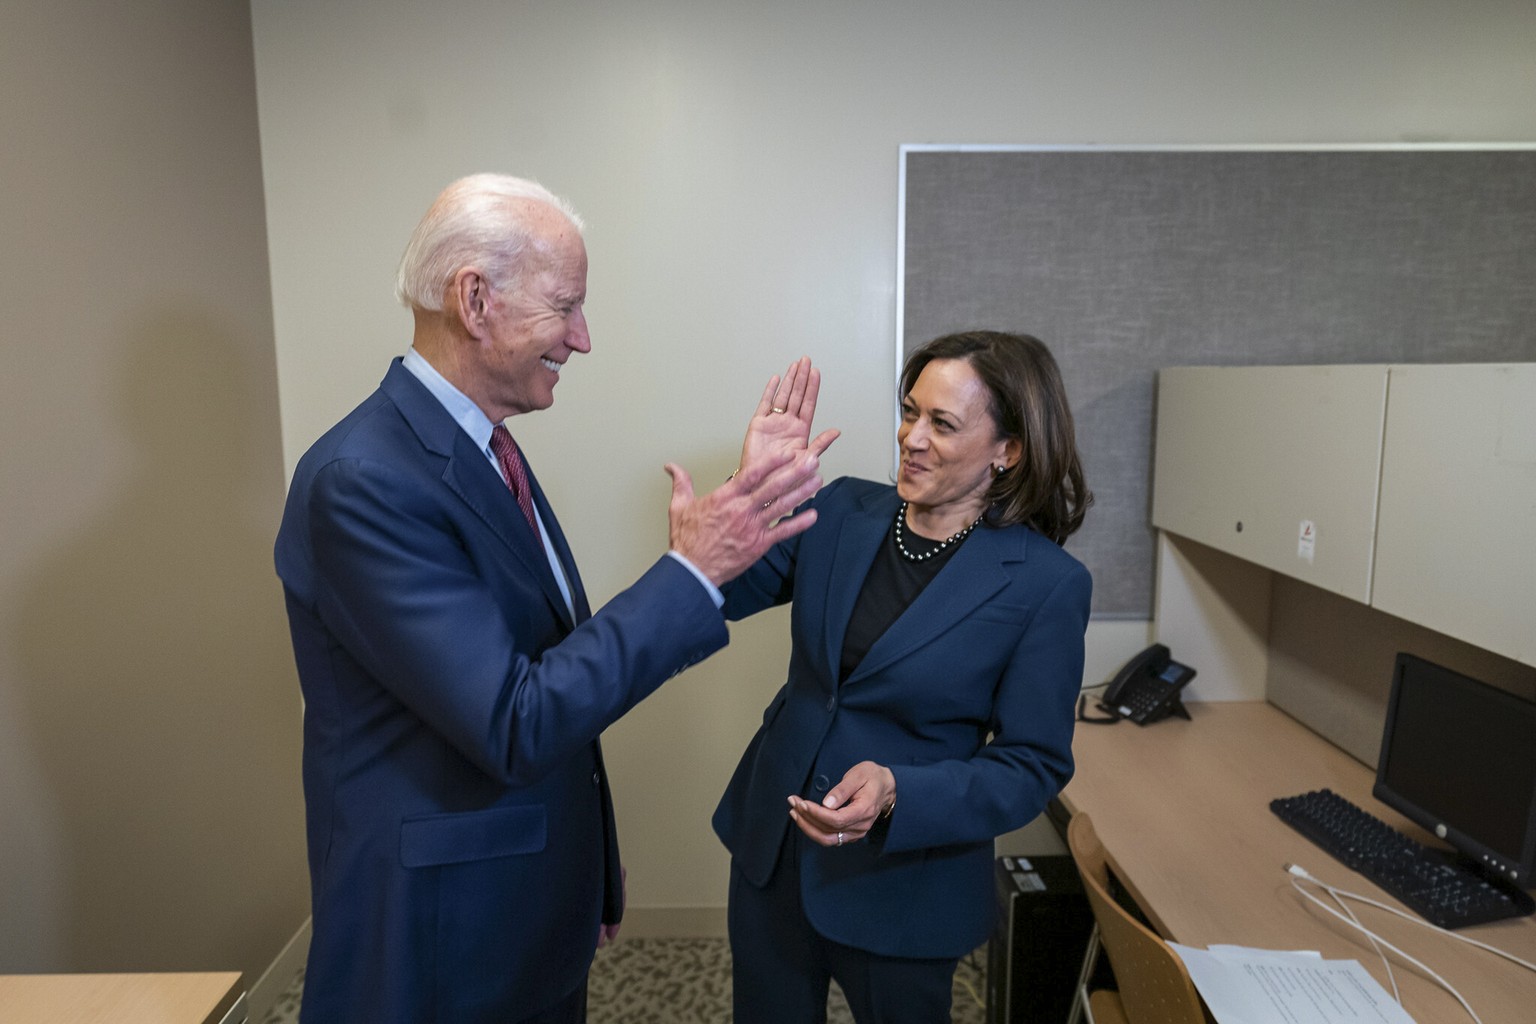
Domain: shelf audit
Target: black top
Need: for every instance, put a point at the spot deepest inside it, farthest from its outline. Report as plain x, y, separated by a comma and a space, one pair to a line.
892, 584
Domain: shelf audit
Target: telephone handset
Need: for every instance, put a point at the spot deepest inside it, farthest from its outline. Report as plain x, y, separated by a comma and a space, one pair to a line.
1147, 688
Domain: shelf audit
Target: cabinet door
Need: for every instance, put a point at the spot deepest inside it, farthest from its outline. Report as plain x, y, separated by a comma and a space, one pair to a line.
1276, 465
1456, 539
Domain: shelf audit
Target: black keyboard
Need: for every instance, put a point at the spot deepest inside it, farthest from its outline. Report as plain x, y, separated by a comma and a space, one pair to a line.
1431, 882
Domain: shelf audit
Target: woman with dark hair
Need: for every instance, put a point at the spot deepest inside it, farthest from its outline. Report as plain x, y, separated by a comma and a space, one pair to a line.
937, 636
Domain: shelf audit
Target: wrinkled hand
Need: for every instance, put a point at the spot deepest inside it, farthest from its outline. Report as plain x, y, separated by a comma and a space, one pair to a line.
851, 808
731, 527
782, 420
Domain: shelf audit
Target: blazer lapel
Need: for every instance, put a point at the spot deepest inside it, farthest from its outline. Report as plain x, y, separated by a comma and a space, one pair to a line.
973, 576
854, 551
562, 550
473, 478
470, 475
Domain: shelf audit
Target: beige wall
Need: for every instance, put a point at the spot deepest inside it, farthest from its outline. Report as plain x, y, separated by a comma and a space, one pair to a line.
150, 816
737, 163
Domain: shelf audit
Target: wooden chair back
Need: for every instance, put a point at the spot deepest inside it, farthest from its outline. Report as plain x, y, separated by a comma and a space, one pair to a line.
1155, 987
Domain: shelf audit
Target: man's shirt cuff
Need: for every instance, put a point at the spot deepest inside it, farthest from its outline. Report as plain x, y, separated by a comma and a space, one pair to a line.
714, 591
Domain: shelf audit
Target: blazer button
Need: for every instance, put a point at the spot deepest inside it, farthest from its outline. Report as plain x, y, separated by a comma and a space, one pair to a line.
822, 783
831, 704
596, 779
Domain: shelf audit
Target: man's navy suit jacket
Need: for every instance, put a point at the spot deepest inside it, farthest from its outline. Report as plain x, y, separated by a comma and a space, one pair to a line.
968, 699
461, 838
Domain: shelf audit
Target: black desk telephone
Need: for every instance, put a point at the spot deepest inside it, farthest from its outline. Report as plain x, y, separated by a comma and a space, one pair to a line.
1146, 689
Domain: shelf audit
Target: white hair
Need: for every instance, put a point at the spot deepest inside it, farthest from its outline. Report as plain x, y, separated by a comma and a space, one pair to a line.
472, 223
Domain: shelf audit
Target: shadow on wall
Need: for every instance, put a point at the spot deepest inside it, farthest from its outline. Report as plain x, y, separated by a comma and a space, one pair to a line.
159, 686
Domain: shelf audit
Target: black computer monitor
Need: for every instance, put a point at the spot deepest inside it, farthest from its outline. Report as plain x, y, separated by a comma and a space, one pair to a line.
1459, 757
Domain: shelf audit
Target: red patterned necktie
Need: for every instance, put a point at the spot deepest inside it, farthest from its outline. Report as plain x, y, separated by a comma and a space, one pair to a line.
517, 473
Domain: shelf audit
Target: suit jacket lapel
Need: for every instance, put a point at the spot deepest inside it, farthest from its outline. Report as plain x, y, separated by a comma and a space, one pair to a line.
972, 577
562, 550
857, 541
469, 474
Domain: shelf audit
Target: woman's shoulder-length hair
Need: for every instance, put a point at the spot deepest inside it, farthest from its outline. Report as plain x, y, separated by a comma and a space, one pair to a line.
1045, 488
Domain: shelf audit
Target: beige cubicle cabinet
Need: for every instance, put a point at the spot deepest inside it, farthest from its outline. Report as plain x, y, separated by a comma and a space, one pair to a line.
1410, 489
1251, 458
1456, 534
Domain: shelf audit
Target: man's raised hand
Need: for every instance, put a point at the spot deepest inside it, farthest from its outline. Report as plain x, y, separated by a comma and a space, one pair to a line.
732, 526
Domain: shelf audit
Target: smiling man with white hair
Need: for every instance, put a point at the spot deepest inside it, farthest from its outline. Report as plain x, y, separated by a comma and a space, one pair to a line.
463, 860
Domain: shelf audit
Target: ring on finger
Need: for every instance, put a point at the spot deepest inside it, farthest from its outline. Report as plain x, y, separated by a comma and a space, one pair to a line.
839, 839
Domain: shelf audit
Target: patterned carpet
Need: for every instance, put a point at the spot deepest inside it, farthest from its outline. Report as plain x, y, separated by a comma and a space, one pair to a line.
688, 981
685, 981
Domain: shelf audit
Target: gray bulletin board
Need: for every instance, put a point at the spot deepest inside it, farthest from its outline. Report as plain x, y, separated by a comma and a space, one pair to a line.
1127, 260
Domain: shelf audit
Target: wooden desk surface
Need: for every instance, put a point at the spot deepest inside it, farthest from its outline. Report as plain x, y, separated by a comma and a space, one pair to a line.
202, 998
1183, 811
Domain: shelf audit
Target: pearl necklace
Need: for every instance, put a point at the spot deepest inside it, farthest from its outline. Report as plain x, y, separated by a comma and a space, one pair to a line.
901, 515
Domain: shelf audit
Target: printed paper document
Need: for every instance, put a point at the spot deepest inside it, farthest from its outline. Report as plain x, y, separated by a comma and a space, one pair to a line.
1266, 986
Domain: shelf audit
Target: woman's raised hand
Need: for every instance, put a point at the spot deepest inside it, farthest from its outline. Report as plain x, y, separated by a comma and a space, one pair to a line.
782, 420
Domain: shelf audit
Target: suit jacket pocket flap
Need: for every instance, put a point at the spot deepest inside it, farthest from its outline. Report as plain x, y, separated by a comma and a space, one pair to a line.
432, 839
1008, 614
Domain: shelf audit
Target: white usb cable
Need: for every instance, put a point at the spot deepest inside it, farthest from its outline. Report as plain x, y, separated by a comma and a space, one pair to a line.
1299, 873
1391, 975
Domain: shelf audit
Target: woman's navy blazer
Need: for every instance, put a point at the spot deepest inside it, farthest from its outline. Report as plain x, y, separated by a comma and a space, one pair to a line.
967, 698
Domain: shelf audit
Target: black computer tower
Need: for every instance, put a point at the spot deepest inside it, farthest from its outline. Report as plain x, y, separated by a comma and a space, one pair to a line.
1036, 951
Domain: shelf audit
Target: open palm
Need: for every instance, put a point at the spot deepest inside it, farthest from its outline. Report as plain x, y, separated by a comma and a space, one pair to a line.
782, 420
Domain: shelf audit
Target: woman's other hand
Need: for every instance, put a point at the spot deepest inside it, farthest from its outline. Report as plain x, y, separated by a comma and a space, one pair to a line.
847, 813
